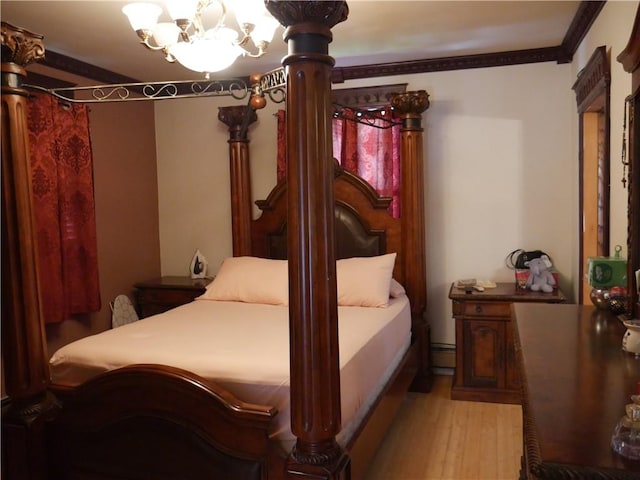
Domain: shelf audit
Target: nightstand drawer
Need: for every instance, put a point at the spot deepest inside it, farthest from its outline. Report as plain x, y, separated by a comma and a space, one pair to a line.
481, 309
487, 309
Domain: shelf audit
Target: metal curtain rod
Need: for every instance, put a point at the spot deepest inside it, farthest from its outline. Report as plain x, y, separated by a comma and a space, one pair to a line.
130, 92
272, 83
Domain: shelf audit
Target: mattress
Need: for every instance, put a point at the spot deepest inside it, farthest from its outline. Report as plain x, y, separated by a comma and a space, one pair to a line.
244, 347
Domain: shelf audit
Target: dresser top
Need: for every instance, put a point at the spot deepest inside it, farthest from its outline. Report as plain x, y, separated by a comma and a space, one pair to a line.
507, 292
577, 381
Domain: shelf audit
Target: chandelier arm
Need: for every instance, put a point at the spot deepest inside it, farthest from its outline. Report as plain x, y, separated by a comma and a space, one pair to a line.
243, 41
197, 19
247, 53
146, 43
168, 56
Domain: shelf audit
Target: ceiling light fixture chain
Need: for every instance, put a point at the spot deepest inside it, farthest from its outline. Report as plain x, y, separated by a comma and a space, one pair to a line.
186, 39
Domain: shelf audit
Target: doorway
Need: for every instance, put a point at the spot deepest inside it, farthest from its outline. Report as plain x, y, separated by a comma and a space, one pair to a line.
592, 96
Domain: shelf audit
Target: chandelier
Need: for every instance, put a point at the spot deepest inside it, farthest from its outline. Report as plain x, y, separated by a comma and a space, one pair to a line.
186, 40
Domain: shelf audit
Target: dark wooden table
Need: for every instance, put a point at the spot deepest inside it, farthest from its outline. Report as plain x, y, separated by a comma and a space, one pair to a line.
576, 383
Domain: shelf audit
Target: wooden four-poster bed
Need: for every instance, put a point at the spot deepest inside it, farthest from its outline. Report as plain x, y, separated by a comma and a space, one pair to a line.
156, 421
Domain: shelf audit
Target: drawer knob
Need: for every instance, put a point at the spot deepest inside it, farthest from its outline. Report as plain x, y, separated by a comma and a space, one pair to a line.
478, 308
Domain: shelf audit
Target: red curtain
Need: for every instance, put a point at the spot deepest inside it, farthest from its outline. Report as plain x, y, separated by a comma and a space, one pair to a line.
282, 145
64, 209
363, 145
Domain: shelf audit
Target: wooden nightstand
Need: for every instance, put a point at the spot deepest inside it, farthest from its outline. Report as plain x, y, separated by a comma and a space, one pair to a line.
486, 366
161, 294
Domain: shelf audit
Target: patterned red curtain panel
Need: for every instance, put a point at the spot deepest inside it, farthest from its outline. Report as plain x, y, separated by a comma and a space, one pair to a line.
362, 148
64, 207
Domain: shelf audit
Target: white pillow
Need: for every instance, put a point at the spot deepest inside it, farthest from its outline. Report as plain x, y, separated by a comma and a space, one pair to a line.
396, 290
365, 281
250, 280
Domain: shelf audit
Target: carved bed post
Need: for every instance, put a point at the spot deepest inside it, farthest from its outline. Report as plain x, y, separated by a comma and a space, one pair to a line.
313, 310
238, 118
410, 106
23, 338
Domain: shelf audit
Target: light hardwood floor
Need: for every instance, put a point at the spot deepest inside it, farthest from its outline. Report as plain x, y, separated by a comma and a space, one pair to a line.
434, 437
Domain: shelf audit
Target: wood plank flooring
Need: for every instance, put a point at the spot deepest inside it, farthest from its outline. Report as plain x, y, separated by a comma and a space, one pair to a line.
436, 438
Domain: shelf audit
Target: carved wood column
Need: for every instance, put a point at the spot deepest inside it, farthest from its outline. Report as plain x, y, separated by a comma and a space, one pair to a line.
238, 118
24, 347
313, 310
410, 106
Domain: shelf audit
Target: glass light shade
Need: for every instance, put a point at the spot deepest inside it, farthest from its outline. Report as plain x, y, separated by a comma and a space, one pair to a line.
166, 33
182, 9
142, 16
249, 11
224, 34
264, 30
205, 55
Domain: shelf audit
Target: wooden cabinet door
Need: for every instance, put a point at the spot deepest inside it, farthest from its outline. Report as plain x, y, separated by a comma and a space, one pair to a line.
484, 353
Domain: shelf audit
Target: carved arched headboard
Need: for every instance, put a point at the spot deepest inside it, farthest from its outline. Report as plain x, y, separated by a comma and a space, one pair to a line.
363, 225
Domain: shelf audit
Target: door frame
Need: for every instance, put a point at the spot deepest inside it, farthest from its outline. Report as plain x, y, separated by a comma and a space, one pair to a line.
592, 90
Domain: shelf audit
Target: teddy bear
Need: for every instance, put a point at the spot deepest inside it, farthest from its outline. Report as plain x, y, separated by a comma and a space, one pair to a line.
540, 278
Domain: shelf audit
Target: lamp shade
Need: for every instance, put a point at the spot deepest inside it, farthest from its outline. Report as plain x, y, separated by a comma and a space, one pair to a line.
142, 16
205, 54
249, 12
182, 9
264, 29
166, 33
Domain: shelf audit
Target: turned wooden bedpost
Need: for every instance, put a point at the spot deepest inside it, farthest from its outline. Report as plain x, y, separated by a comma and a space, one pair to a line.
238, 118
24, 346
313, 310
410, 106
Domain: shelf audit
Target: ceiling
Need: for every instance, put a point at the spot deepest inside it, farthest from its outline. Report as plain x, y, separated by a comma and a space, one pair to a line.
376, 31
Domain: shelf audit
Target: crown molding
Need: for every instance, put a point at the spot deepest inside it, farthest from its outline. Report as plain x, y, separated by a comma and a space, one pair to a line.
462, 62
76, 67
585, 16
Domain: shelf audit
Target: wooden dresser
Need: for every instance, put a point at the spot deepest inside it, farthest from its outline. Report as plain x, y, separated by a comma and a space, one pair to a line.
486, 368
576, 383
164, 293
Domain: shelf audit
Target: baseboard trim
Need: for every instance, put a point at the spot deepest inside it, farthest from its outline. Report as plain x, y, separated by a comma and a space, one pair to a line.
443, 357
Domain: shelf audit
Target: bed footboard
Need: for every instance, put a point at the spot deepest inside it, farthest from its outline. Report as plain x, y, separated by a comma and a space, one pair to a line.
152, 421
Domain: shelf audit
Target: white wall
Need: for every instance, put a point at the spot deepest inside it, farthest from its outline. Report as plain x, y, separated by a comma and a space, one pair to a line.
498, 155
501, 169
499, 161
193, 178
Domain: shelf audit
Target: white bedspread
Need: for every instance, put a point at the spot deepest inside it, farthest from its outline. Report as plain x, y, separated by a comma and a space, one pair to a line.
244, 348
